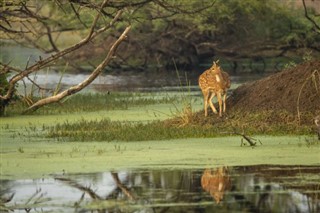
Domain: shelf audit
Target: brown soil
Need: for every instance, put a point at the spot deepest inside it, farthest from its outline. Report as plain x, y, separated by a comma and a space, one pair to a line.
289, 90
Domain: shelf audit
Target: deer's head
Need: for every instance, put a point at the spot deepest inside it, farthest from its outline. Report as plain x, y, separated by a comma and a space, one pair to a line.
216, 71
215, 67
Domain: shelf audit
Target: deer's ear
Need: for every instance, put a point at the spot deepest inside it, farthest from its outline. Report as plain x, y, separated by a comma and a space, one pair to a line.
215, 63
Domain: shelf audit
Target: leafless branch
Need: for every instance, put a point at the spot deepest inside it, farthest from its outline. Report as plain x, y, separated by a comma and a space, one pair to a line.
176, 9
6, 68
77, 15
316, 25
42, 63
123, 188
82, 188
86, 82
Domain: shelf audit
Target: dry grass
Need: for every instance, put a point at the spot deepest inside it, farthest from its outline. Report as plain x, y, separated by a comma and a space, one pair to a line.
315, 79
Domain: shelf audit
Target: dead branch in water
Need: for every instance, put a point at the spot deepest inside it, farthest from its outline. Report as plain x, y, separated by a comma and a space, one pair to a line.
252, 141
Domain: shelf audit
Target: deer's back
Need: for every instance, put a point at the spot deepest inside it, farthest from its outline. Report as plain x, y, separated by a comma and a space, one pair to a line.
226, 79
208, 81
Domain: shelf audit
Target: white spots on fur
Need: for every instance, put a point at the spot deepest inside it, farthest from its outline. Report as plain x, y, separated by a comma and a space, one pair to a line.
218, 78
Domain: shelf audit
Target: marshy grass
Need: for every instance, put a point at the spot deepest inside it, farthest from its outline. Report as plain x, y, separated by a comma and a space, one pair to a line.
106, 130
185, 122
90, 102
190, 125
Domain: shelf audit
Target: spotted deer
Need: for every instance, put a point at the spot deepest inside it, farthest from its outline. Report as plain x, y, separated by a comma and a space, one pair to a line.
214, 82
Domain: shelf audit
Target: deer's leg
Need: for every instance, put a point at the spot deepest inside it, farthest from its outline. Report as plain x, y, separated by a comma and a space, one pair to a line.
220, 103
211, 104
224, 102
205, 101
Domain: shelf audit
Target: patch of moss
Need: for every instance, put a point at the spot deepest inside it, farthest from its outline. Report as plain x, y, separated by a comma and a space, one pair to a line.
40, 159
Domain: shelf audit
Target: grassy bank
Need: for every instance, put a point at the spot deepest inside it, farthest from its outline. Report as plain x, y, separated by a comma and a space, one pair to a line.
186, 124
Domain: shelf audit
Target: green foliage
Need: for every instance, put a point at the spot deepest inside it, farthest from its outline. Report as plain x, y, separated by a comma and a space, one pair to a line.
3, 90
290, 64
251, 19
225, 24
3, 84
191, 32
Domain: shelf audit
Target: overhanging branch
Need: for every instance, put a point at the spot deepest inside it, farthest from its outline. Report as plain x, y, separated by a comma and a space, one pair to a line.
42, 63
86, 82
306, 14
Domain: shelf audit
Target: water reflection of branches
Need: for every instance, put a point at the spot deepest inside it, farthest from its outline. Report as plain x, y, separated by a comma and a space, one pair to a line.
5, 198
123, 188
261, 188
37, 198
82, 188
92, 193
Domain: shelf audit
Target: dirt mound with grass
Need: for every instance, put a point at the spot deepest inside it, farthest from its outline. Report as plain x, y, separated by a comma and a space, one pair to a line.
293, 90
282, 103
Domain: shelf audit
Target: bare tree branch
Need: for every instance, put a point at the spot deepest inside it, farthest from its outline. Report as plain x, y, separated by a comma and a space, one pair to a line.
86, 82
82, 188
123, 188
42, 63
316, 25
77, 15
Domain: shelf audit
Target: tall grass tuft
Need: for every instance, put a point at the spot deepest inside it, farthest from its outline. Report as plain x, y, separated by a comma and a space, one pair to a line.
185, 115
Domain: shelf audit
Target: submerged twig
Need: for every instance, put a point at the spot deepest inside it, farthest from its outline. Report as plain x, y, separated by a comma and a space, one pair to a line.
252, 141
82, 188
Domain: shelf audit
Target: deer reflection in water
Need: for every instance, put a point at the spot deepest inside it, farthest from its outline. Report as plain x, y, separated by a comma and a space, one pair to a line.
216, 182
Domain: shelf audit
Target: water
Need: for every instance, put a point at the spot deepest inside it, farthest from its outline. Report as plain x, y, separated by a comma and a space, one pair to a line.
261, 188
52, 78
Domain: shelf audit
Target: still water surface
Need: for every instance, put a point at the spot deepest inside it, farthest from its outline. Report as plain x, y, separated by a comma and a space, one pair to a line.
261, 188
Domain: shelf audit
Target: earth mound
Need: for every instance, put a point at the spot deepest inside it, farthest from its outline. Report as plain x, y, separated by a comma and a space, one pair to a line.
282, 103
294, 90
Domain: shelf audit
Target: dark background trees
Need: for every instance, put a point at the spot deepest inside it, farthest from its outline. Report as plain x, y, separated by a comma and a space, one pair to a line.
235, 31
164, 34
